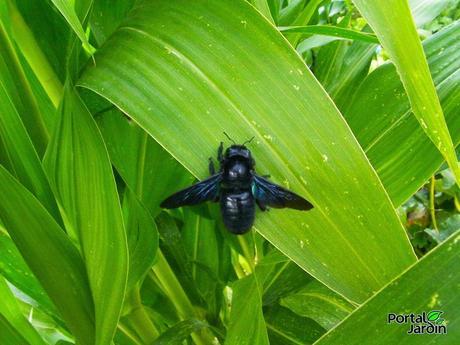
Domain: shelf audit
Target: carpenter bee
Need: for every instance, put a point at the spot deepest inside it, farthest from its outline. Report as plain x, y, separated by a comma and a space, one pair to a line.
237, 188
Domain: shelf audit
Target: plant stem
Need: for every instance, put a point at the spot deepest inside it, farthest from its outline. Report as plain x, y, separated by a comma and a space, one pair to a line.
172, 288
137, 320
34, 56
432, 206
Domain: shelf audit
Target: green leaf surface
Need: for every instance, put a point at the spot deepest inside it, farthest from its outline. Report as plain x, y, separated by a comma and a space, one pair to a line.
432, 284
318, 303
15, 270
334, 31
247, 325
32, 229
21, 156
393, 24
68, 11
287, 328
142, 236
396, 145
9, 335
144, 165
9, 308
79, 169
424, 11
179, 332
301, 141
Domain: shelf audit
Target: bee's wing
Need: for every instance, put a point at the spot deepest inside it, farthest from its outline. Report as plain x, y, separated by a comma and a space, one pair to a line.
271, 194
205, 190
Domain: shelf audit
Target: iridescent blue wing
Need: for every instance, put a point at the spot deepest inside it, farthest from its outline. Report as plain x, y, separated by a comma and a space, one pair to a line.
271, 194
205, 190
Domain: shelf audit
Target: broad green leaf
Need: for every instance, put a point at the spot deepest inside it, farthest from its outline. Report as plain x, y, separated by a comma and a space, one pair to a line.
430, 285
21, 155
334, 31
301, 141
287, 328
318, 303
32, 228
9, 308
263, 7
16, 271
179, 332
392, 22
393, 140
79, 169
247, 325
106, 15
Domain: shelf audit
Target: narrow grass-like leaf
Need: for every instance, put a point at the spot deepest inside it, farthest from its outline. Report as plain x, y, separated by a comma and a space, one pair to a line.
78, 166
424, 11
9, 308
396, 145
334, 31
9, 335
179, 332
301, 141
32, 229
391, 20
68, 11
431, 284
247, 324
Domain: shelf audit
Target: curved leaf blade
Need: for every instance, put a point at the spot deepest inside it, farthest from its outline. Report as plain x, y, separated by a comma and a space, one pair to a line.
393, 24
432, 283
159, 69
32, 229
333, 31
79, 169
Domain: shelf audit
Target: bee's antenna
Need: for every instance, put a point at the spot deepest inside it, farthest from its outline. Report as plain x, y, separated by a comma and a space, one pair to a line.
233, 141
248, 141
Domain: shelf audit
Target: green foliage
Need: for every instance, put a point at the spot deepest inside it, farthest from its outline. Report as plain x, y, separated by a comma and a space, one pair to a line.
107, 107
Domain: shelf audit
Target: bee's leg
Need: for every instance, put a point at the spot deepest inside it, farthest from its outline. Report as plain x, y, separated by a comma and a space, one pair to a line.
212, 169
261, 205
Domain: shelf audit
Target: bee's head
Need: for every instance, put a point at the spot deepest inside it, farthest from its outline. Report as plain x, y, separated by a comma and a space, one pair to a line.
240, 151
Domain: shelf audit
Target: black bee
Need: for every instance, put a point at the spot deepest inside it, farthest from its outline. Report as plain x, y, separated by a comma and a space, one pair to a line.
237, 187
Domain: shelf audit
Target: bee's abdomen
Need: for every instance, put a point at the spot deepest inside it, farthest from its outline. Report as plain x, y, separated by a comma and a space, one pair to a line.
237, 210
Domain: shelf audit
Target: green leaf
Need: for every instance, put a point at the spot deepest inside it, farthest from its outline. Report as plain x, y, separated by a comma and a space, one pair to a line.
392, 138
9, 308
424, 11
149, 171
287, 328
21, 156
176, 334
68, 11
301, 141
318, 303
79, 169
247, 325
32, 228
142, 236
432, 282
391, 20
8, 334
334, 31
16, 271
